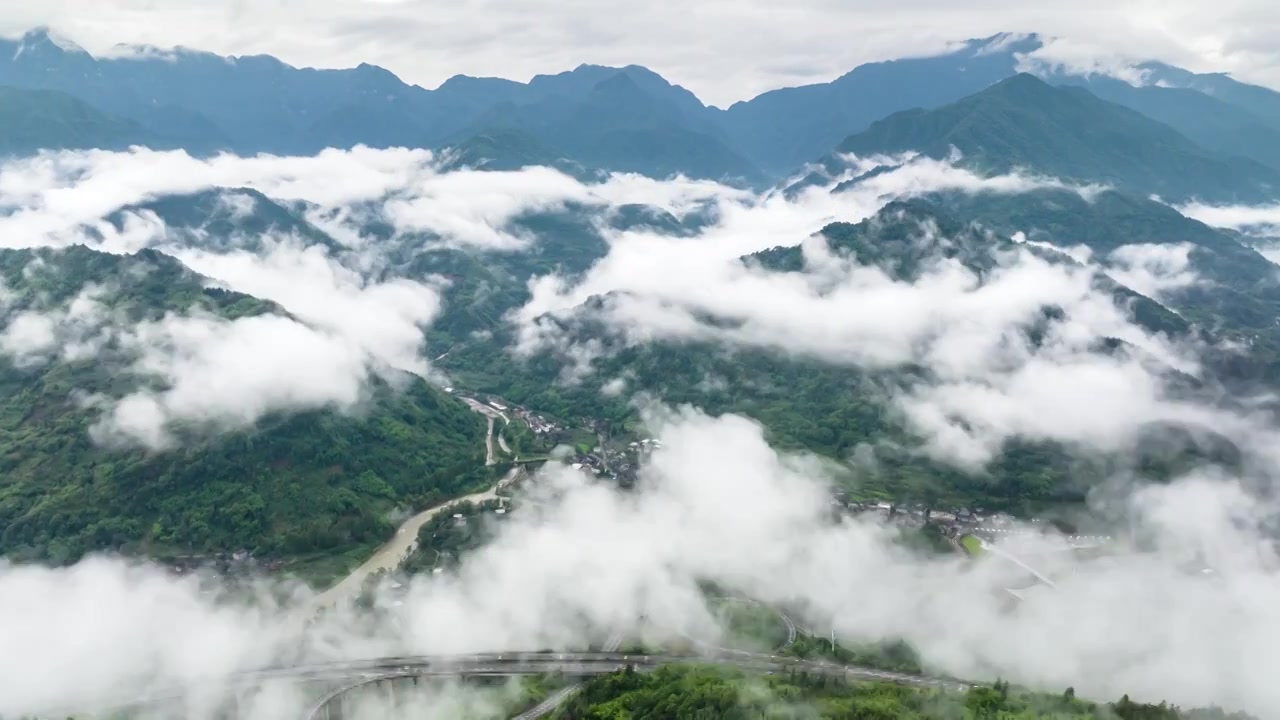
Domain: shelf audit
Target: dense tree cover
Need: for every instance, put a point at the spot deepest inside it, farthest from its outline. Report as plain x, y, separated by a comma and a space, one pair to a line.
295, 484
701, 693
896, 656
1068, 133
224, 219
142, 286
810, 405
806, 405
748, 625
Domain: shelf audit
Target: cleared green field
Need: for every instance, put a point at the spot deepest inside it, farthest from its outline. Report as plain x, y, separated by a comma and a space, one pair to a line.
971, 545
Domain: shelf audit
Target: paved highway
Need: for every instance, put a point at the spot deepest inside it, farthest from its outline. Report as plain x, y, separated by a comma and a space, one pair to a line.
363, 673
349, 675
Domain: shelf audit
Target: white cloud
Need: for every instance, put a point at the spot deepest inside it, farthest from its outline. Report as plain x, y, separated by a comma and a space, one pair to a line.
1153, 269
1085, 57
52, 197
356, 320
29, 333
988, 381
74, 330
961, 327
385, 319
716, 503
1253, 219
229, 374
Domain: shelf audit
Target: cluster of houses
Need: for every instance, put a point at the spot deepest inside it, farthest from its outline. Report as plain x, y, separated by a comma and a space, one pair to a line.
596, 462
644, 447
954, 522
539, 424
619, 466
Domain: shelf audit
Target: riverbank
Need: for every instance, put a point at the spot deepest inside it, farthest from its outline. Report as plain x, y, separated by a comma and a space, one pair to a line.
389, 556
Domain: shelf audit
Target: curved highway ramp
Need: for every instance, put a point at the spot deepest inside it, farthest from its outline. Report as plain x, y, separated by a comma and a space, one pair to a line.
334, 684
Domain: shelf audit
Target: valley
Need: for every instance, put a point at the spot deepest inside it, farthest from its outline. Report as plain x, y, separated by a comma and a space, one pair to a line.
945, 388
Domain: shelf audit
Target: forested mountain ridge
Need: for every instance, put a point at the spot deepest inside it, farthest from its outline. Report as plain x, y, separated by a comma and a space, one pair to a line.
833, 409
608, 118
291, 485
1069, 134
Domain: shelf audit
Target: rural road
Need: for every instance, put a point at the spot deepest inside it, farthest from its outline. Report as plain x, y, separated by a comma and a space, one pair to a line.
488, 444
493, 414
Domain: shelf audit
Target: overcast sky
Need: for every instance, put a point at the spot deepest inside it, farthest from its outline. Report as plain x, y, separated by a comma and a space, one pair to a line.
723, 50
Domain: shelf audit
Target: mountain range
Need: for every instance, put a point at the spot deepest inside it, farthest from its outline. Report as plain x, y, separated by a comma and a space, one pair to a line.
623, 119
321, 481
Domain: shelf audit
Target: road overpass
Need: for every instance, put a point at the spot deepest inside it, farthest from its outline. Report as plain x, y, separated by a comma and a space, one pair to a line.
384, 673
333, 683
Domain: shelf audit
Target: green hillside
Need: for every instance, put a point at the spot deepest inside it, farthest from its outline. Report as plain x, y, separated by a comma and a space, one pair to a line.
308, 483
814, 405
1238, 293
693, 692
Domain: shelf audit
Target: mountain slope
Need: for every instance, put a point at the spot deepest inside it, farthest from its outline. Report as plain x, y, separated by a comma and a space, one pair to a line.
1211, 122
1261, 102
1024, 123
892, 240
32, 120
319, 481
781, 129
619, 123
1236, 292
827, 407
228, 218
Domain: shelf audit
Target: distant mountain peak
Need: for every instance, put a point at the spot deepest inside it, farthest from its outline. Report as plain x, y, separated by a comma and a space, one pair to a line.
1005, 42
1023, 82
42, 39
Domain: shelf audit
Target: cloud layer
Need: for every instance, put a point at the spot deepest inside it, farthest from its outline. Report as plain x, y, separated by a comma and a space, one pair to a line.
717, 503
349, 318
580, 559
988, 381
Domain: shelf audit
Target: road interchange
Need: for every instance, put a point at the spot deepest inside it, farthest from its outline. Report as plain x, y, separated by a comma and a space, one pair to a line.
355, 674
341, 677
